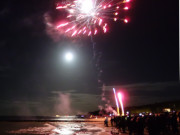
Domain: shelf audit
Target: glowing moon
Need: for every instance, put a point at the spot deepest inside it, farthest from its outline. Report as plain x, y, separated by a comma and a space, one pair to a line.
69, 56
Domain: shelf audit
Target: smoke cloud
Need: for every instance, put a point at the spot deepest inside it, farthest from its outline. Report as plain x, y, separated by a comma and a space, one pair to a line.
51, 30
63, 104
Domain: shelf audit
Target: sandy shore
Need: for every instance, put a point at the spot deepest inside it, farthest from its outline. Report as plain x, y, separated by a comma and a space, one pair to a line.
55, 128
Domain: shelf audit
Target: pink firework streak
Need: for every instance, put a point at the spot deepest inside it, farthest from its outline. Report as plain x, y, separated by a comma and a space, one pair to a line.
117, 105
121, 103
87, 17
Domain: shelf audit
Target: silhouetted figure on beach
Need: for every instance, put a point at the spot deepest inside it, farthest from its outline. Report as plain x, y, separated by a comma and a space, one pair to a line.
179, 116
163, 123
140, 126
123, 124
119, 124
130, 125
174, 124
106, 122
151, 125
112, 121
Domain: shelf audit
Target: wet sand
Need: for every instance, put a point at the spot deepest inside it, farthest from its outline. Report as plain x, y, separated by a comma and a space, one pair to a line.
54, 128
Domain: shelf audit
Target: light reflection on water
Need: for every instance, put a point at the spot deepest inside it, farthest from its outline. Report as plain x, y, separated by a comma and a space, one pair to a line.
64, 128
68, 129
69, 118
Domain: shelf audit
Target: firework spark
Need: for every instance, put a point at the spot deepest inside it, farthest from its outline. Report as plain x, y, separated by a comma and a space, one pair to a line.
90, 16
117, 104
121, 103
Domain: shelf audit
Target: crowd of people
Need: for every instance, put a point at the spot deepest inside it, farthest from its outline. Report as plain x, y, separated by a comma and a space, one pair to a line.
154, 124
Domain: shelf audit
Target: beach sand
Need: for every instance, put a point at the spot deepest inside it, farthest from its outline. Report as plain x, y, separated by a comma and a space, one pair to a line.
55, 128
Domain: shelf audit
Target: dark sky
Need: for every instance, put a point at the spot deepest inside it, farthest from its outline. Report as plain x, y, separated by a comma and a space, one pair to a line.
140, 57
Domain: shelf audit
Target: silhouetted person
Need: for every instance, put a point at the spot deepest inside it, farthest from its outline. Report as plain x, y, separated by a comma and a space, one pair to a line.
123, 124
106, 122
151, 125
174, 124
179, 116
163, 121
112, 121
119, 123
140, 126
130, 125
157, 125
134, 125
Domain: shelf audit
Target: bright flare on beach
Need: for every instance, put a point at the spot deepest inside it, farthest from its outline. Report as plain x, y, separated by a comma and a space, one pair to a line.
117, 104
121, 103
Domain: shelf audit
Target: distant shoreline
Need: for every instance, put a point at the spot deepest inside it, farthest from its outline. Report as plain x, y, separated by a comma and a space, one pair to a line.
48, 119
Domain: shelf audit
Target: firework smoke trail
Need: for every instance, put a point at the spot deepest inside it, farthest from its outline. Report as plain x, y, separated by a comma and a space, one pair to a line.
120, 100
96, 60
93, 47
117, 105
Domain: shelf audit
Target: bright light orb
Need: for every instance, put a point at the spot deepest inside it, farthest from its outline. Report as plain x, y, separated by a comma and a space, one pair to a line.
69, 56
86, 6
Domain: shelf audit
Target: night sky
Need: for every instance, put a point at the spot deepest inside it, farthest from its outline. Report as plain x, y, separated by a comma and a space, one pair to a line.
140, 57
